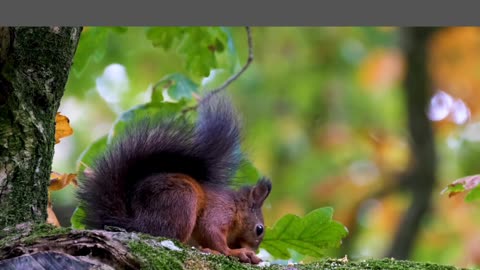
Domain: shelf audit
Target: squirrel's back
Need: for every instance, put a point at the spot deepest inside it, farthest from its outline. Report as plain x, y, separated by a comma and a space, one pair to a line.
208, 151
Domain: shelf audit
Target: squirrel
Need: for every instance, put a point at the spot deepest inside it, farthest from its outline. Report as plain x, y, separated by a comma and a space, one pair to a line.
173, 179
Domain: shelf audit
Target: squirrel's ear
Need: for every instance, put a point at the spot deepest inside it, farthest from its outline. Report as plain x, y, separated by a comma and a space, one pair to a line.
260, 191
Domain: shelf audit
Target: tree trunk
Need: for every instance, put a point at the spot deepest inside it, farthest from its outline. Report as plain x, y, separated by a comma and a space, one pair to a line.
34, 67
421, 176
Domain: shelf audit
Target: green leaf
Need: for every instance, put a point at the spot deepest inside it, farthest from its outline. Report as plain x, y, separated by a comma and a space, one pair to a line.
120, 29
229, 58
88, 156
164, 37
198, 45
473, 195
91, 51
92, 46
149, 110
247, 174
177, 86
77, 218
311, 235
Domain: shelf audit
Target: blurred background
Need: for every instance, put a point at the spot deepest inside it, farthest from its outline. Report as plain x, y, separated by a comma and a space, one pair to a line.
373, 121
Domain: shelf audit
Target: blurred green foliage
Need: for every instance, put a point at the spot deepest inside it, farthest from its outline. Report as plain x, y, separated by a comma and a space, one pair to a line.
323, 112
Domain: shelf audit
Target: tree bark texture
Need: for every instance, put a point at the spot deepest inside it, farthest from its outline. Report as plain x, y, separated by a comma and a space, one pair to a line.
27, 247
421, 174
34, 67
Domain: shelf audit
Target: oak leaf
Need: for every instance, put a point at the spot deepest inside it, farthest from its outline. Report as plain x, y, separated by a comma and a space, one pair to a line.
310, 235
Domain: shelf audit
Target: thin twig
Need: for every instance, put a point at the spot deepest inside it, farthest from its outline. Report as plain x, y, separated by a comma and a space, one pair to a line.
233, 77
247, 64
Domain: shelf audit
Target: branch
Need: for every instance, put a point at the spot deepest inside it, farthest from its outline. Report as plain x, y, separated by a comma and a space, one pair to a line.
422, 172
45, 247
233, 77
247, 64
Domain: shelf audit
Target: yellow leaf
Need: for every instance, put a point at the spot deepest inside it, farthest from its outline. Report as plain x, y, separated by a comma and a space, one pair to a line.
62, 127
59, 181
52, 218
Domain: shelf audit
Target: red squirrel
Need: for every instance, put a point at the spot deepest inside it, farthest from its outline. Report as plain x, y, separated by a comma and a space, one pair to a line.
172, 178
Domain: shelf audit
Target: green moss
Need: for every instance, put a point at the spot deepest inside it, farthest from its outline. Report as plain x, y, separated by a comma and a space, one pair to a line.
374, 264
44, 230
29, 233
188, 258
35, 70
154, 256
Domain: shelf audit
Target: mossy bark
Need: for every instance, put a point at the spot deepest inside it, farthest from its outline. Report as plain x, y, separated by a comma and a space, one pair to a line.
56, 248
34, 67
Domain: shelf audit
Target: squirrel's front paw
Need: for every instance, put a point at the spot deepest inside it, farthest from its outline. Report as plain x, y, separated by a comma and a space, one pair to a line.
245, 255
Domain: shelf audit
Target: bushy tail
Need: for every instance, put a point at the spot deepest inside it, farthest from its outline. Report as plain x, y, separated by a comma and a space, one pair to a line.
209, 152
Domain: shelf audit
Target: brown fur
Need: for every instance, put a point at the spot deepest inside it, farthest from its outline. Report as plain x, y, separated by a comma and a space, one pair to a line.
172, 178
216, 219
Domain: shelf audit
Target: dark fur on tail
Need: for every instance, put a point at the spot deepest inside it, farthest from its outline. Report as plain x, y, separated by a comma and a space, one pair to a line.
209, 152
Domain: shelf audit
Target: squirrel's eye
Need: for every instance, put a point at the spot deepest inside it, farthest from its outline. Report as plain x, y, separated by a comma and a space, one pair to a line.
259, 229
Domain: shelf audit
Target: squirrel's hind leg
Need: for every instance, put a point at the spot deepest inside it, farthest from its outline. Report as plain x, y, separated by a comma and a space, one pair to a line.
168, 206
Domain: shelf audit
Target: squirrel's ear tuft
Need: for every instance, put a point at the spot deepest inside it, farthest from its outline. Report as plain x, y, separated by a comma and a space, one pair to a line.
260, 192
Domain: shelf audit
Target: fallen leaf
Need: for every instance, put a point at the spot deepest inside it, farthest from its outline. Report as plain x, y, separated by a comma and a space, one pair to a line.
52, 218
59, 181
62, 127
